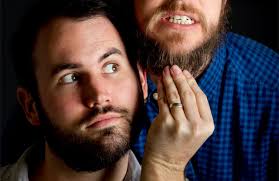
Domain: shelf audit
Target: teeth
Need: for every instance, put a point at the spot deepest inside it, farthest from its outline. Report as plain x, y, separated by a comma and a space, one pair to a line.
185, 20
177, 17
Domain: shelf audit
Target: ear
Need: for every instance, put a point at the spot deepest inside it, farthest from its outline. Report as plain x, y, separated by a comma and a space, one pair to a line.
143, 81
28, 105
224, 3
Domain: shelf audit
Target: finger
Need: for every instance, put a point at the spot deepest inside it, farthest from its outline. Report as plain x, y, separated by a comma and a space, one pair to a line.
187, 96
202, 102
165, 116
172, 96
170, 88
162, 102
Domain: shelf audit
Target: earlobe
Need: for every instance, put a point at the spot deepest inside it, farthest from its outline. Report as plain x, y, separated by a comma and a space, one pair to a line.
28, 105
143, 81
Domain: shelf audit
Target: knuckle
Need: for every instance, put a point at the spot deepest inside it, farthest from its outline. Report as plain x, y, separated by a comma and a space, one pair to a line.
201, 94
161, 100
187, 93
180, 79
173, 95
195, 128
208, 129
211, 128
199, 128
181, 130
167, 121
168, 83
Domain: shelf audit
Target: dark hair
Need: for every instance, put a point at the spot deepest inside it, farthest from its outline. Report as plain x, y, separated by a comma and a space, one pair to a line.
41, 13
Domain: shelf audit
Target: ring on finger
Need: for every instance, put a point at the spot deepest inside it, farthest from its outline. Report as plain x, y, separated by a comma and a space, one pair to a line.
175, 104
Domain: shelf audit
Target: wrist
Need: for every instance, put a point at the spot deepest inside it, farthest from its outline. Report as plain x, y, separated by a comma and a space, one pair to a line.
160, 168
156, 169
163, 164
166, 161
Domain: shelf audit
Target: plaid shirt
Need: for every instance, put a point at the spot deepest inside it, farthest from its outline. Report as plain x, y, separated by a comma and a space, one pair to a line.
242, 87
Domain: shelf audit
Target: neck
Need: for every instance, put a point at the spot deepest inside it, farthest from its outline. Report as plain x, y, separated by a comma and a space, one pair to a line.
53, 168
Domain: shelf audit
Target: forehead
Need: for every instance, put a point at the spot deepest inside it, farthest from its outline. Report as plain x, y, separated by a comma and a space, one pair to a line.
64, 38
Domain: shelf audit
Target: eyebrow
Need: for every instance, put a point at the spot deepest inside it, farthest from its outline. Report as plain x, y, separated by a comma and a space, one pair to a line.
64, 66
110, 52
69, 66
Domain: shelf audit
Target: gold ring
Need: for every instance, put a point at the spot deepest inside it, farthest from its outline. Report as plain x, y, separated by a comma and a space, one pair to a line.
175, 104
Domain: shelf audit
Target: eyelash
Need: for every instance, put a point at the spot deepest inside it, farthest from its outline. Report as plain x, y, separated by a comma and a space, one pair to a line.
115, 67
74, 76
64, 80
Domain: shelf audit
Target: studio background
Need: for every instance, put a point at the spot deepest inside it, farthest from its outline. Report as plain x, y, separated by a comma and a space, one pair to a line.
257, 20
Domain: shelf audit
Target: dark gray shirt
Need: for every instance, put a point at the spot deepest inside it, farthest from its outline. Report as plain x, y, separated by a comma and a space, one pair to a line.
19, 170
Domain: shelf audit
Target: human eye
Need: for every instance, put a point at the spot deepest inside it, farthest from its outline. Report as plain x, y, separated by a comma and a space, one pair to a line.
111, 68
69, 78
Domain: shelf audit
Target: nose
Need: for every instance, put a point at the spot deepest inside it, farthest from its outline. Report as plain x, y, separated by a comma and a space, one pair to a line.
96, 92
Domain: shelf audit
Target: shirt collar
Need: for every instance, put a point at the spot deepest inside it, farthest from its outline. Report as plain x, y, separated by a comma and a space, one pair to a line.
19, 171
134, 168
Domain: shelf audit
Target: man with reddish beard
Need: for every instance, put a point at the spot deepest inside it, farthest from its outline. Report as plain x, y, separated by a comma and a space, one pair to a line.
239, 77
77, 85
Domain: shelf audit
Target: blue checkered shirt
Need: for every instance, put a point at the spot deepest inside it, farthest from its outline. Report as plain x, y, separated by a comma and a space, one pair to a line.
242, 87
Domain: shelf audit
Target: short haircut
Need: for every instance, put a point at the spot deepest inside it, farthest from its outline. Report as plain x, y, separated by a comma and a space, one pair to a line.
44, 11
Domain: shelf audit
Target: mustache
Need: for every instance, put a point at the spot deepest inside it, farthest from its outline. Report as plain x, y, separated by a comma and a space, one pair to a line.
174, 6
98, 110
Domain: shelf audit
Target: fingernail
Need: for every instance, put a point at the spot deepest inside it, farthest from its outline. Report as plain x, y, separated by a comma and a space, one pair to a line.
187, 74
175, 70
166, 71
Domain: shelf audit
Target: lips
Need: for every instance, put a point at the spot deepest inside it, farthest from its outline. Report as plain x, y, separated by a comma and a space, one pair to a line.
180, 18
103, 120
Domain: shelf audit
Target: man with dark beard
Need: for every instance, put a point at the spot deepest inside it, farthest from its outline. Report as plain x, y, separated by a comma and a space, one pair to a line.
77, 85
239, 77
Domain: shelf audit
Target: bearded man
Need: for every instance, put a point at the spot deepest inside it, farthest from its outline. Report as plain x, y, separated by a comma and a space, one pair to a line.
238, 75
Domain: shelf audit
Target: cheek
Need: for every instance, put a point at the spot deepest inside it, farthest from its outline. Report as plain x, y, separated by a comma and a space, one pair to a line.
127, 94
61, 107
213, 12
144, 11
63, 103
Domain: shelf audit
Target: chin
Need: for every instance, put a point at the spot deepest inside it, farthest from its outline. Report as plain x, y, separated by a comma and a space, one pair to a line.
181, 44
180, 49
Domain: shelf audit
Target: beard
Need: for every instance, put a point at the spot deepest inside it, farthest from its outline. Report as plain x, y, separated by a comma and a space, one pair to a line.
154, 56
83, 153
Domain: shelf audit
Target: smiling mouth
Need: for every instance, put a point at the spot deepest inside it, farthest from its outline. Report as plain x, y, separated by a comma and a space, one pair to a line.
180, 19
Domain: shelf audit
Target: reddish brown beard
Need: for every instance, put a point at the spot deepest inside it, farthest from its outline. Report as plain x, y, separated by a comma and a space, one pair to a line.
154, 56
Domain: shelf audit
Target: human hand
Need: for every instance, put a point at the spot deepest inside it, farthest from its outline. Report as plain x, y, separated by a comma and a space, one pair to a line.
178, 132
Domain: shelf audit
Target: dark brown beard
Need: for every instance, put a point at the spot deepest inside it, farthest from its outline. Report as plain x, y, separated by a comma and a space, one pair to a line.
84, 154
154, 56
